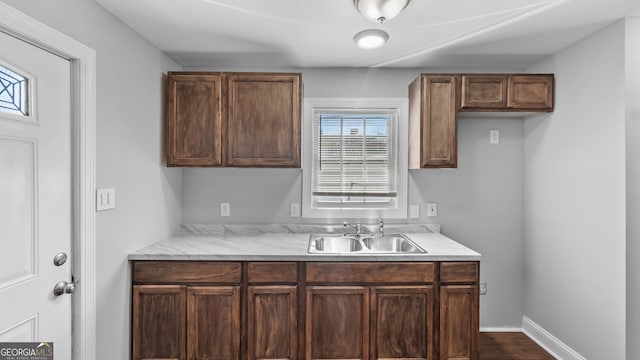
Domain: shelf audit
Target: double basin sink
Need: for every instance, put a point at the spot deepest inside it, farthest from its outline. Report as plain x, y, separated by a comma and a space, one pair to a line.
362, 244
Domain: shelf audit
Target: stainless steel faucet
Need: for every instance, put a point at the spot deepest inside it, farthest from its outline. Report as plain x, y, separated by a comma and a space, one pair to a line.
357, 226
381, 228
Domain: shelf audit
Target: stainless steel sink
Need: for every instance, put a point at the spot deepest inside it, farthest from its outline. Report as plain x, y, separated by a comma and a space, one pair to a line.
391, 244
364, 244
334, 244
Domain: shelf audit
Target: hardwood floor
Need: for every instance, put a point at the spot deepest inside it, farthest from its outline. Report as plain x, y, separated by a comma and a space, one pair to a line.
510, 346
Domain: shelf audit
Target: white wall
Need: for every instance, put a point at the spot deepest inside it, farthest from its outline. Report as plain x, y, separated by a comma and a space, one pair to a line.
633, 188
129, 154
575, 199
480, 203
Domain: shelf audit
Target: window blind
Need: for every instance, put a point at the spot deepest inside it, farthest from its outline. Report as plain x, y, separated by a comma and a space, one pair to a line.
354, 153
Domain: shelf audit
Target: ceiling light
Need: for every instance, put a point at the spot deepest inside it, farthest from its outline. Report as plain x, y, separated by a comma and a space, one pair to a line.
370, 39
379, 11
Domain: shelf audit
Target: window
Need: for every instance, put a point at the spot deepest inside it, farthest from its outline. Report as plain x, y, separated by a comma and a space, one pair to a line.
353, 163
13, 93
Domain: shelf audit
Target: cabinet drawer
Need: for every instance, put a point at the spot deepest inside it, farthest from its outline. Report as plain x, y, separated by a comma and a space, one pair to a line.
379, 273
458, 272
192, 272
272, 272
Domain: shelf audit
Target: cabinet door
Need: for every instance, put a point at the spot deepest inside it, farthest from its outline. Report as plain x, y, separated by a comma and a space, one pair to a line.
213, 321
432, 122
459, 327
159, 322
337, 322
272, 322
484, 92
531, 92
262, 116
194, 120
402, 322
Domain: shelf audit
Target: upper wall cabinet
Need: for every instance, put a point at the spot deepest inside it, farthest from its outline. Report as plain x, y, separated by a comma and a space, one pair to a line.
194, 119
233, 119
262, 114
434, 100
432, 121
502, 92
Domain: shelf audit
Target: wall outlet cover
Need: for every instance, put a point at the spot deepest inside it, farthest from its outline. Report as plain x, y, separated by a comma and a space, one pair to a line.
225, 209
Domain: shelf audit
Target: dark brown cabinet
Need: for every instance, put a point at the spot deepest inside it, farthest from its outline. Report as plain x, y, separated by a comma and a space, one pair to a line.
159, 322
435, 99
483, 92
530, 92
376, 319
213, 322
194, 119
272, 322
262, 119
337, 322
402, 322
507, 92
459, 311
233, 119
432, 121
200, 310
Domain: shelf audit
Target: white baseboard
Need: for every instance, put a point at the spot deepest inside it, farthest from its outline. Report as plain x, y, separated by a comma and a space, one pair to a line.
547, 341
500, 329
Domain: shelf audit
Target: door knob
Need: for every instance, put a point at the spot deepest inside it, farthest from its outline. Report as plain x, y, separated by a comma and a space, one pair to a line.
64, 287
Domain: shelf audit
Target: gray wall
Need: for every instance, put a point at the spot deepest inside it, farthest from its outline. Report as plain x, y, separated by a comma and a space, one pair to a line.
575, 199
129, 154
479, 204
633, 187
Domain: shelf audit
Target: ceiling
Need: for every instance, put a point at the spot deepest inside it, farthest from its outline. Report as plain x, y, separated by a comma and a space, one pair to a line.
469, 34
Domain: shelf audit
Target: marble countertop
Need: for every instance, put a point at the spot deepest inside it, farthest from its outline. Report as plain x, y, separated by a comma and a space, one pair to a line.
290, 243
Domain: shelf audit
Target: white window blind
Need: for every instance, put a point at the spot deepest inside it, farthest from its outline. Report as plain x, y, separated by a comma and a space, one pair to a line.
355, 153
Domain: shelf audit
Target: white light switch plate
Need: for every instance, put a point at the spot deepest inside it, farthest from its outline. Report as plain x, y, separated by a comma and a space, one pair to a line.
414, 212
294, 210
105, 199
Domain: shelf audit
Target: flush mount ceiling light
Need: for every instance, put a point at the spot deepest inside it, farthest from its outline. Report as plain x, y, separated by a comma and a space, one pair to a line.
380, 11
370, 39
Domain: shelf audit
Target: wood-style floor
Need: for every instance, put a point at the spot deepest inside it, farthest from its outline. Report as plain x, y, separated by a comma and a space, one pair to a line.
510, 346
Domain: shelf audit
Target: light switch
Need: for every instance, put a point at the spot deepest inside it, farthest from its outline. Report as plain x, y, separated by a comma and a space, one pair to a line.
294, 210
105, 199
414, 212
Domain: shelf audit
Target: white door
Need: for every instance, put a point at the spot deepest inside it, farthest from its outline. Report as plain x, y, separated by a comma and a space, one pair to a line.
35, 195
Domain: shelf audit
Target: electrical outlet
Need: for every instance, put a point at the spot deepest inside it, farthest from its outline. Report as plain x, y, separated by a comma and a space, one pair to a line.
294, 210
432, 210
105, 199
225, 209
483, 288
494, 136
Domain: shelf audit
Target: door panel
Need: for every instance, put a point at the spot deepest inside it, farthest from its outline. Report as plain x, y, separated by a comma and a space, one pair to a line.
159, 315
272, 322
402, 322
213, 323
337, 322
35, 194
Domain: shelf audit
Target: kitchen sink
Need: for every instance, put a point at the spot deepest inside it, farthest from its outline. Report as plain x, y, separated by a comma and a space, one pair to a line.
363, 244
334, 244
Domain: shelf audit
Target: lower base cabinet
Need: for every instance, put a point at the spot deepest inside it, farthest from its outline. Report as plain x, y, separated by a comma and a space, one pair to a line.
272, 317
299, 311
213, 322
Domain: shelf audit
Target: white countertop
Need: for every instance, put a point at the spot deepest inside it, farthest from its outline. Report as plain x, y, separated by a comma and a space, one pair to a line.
290, 243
